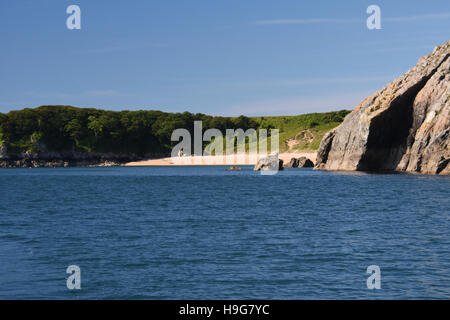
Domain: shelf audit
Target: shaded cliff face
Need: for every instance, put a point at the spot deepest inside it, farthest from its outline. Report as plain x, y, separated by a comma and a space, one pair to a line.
403, 127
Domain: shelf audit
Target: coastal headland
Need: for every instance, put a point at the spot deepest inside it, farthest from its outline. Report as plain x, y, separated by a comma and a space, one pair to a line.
65, 136
403, 127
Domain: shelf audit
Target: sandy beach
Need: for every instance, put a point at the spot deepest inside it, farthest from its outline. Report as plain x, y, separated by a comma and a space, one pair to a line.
218, 160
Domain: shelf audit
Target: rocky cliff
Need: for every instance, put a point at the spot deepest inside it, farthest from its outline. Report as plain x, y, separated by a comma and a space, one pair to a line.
403, 127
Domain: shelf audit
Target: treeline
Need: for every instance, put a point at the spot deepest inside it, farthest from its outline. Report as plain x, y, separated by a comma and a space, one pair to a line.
65, 128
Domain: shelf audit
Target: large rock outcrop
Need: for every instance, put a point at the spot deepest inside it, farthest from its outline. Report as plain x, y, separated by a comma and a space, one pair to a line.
403, 127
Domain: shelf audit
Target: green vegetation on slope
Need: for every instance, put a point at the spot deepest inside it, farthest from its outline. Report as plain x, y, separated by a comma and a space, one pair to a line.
304, 132
66, 128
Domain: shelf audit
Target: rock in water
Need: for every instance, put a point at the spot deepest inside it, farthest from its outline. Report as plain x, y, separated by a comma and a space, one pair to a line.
292, 164
403, 127
302, 162
272, 163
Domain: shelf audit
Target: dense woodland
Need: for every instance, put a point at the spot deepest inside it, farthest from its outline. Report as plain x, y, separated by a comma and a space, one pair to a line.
64, 128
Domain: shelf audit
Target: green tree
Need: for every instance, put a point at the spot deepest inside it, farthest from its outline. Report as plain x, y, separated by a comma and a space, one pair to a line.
95, 125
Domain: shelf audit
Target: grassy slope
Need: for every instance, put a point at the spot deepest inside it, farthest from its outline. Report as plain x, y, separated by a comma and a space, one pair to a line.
308, 129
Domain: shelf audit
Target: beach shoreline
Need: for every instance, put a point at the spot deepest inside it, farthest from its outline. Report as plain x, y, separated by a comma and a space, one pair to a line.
237, 159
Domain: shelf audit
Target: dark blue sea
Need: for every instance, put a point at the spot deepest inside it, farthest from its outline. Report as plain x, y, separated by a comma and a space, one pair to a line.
207, 233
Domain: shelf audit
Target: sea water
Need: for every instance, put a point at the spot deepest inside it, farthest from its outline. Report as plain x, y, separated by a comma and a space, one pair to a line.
206, 233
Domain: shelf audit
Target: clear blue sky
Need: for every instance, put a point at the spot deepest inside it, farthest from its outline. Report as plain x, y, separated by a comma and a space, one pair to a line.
221, 57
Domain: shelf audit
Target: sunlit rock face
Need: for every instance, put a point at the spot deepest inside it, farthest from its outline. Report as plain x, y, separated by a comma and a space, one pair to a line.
403, 127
